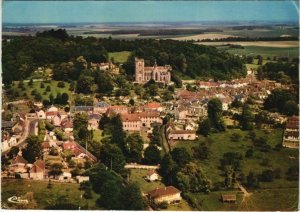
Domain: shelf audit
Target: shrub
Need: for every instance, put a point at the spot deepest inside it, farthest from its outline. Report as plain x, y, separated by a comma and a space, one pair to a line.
61, 84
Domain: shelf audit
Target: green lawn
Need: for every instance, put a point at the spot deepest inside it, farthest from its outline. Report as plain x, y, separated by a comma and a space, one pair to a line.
265, 51
260, 200
36, 85
119, 57
220, 143
44, 196
137, 175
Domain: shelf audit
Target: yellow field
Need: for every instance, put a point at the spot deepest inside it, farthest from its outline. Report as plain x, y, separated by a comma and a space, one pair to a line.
278, 44
204, 36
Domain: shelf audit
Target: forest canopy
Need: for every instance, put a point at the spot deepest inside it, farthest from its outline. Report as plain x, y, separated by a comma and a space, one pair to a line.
22, 55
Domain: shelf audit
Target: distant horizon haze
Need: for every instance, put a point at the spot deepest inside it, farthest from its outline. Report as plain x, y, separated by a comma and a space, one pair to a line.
135, 12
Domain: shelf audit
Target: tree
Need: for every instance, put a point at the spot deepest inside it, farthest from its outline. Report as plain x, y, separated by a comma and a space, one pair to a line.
181, 156
231, 159
192, 179
252, 181
104, 82
278, 99
152, 155
14, 150
260, 60
246, 118
236, 103
48, 88
201, 151
61, 84
215, 114
111, 198
293, 173
84, 84
117, 133
156, 137
204, 127
132, 198
33, 149
267, 175
290, 108
112, 156
55, 169
131, 102
168, 169
64, 98
134, 147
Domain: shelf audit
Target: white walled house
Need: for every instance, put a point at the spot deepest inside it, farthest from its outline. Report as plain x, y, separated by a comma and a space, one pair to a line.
182, 135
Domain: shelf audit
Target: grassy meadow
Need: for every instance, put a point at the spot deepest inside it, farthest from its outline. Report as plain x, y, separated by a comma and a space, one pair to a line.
281, 194
44, 196
37, 86
119, 57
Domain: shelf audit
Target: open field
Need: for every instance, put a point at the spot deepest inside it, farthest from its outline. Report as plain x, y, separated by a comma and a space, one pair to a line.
264, 51
278, 44
36, 85
220, 143
204, 36
43, 196
260, 200
119, 57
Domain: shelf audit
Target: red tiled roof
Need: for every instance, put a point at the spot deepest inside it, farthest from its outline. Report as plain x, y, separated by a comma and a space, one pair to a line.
148, 114
152, 105
45, 145
19, 159
130, 117
159, 192
69, 145
52, 113
151, 172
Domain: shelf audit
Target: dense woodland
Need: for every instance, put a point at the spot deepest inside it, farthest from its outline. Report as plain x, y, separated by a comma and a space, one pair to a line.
22, 55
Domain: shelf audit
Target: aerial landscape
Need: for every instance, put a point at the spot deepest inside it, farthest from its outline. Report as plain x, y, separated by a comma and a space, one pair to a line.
150, 105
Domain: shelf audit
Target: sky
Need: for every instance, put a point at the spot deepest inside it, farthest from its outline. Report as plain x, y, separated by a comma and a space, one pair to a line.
147, 11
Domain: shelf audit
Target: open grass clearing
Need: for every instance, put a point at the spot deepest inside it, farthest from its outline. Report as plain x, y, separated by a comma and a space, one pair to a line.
36, 85
44, 196
119, 57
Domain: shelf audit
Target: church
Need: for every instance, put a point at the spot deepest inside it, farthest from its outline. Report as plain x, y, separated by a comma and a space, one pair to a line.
143, 74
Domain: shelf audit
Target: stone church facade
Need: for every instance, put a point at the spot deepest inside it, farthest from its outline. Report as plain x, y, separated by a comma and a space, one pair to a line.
143, 74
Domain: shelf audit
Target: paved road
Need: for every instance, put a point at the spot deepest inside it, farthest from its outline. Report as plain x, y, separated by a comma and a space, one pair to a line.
30, 130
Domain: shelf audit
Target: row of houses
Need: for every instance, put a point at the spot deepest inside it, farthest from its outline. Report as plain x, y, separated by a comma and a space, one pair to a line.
291, 133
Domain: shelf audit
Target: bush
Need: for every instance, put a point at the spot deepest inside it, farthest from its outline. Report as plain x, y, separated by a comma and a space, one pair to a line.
48, 88
267, 176
61, 84
42, 85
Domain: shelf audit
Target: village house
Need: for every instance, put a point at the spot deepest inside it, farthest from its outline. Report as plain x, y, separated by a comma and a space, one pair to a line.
150, 117
157, 73
82, 109
67, 125
93, 121
18, 165
81, 179
101, 107
8, 141
168, 194
291, 133
52, 109
56, 120
51, 114
181, 135
228, 198
37, 170
153, 106
151, 176
41, 114
131, 122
